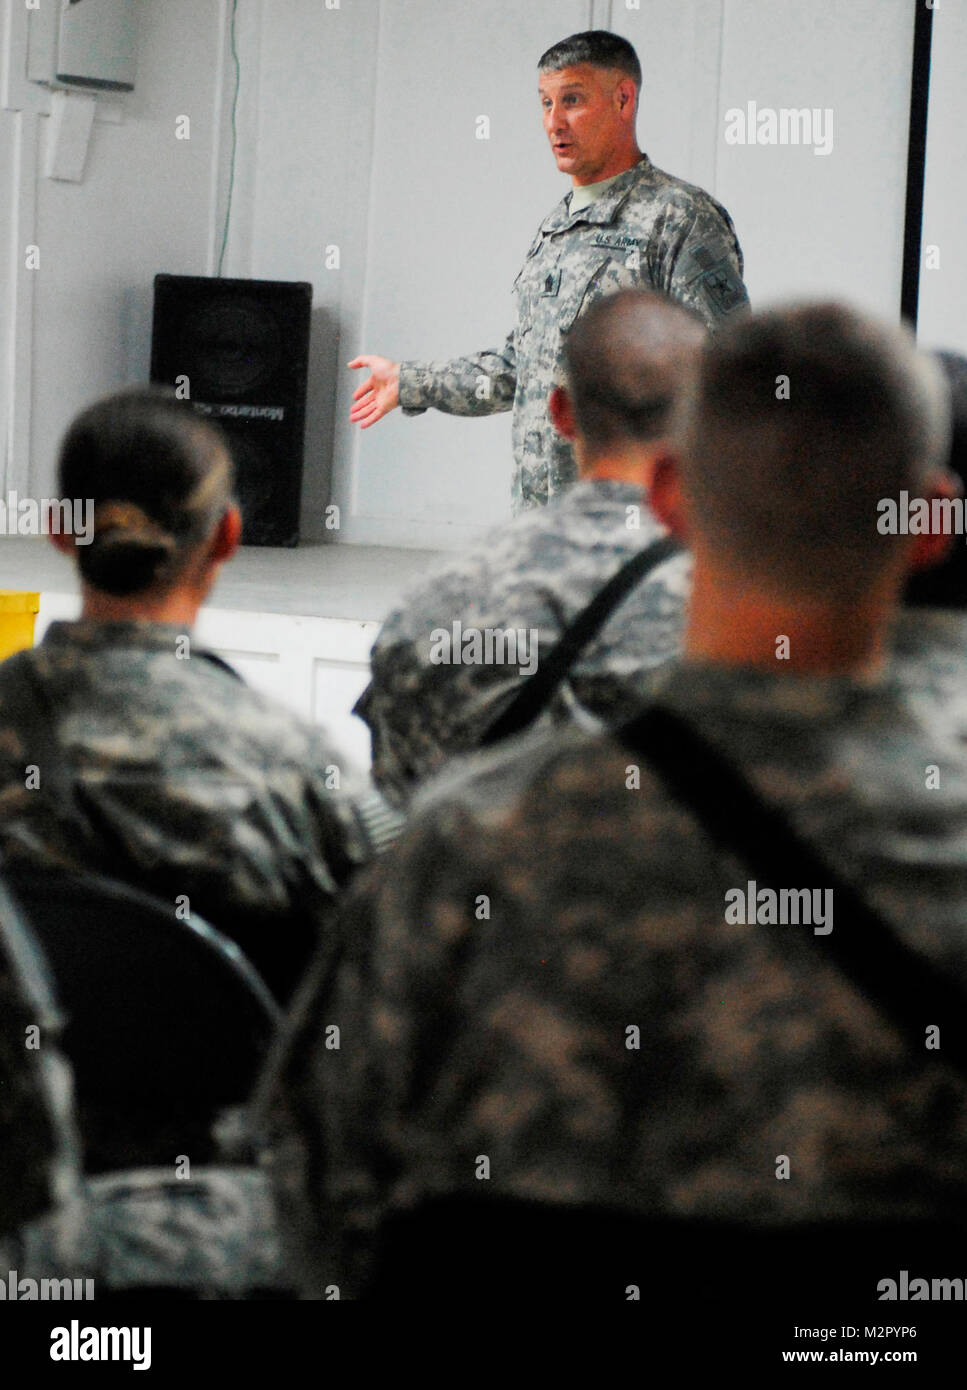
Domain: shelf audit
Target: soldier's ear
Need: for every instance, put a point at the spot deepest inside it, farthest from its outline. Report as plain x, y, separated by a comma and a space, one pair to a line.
562, 413
930, 550
626, 93
61, 540
665, 495
227, 537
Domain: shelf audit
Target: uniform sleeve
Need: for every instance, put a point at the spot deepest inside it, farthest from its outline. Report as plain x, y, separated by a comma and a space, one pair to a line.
403, 712
482, 384
421, 716
704, 267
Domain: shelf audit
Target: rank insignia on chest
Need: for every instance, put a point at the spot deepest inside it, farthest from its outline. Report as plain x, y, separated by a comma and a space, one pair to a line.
551, 284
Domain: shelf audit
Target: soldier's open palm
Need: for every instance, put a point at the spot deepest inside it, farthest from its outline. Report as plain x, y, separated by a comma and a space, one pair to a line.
377, 396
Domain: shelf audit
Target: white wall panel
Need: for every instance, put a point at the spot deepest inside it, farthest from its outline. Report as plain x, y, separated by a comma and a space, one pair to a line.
144, 207
820, 225
943, 289
82, 320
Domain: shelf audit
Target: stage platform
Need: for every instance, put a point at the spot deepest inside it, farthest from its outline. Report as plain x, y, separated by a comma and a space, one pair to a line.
298, 624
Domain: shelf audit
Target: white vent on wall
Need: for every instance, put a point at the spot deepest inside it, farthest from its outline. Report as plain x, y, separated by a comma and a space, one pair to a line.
84, 45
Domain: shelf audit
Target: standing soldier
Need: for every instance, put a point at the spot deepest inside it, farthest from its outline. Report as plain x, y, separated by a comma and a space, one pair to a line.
625, 224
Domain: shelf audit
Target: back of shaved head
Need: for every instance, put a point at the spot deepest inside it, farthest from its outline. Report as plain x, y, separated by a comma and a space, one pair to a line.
625, 361
797, 423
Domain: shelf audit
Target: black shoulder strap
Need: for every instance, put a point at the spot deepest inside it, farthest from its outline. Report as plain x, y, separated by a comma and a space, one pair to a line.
538, 690
906, 986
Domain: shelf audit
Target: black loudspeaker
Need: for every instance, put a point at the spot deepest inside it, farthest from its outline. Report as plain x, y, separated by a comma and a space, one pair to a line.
240, 349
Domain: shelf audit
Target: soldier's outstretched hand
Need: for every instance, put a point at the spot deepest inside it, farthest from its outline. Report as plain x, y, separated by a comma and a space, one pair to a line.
377, 396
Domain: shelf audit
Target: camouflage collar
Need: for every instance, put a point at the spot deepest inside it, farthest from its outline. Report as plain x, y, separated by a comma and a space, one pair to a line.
98, 636
750, 693
606, 208
599, 495
917, 629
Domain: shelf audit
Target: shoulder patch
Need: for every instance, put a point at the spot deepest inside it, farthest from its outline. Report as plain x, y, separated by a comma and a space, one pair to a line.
722, 288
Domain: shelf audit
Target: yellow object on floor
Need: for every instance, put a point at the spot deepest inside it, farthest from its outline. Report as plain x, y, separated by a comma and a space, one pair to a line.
18, 613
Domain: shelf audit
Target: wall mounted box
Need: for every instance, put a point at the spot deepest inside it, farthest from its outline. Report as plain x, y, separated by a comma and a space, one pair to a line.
89, 44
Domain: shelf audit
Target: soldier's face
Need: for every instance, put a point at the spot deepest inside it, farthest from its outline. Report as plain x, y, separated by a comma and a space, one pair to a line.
582, 119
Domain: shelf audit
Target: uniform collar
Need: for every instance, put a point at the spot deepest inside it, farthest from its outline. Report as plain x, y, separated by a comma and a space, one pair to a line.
605, 209
919, 630
599, 494
99, 636
749, 693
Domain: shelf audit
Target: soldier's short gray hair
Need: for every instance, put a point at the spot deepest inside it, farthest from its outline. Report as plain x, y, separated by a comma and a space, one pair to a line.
798, 422
599, 48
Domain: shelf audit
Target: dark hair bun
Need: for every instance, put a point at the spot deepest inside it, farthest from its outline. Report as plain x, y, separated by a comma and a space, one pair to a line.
158, 477
119, 562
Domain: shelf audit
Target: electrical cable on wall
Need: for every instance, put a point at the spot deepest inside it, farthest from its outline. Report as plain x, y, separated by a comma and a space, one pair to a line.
231, 177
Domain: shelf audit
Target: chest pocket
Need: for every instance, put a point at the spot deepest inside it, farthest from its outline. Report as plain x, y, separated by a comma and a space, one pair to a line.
528, 287
594, 280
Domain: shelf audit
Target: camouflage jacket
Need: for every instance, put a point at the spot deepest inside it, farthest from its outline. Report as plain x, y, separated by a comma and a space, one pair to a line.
208, 1235
174, 776
929, 661
543, 974
532, 576
649, 230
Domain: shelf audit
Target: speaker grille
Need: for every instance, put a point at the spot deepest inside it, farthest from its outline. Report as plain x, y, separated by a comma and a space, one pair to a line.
230, 347
243, 346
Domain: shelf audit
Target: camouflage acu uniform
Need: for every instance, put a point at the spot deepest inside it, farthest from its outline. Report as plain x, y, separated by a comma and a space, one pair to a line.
929, 660
649, 230
535, 574
211, 1235
173, 775
463, 1034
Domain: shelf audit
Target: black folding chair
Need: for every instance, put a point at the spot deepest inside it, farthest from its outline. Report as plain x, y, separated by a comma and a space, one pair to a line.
38, 1141
166, 1021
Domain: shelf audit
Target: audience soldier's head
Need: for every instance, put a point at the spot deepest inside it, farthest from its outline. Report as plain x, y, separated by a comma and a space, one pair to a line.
160, 480
589, 87
625, 361
945, 585
797, 424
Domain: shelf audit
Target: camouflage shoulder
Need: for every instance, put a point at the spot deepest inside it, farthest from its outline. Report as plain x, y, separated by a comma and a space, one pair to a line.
456, 584
690, 198
212, 1234
493, 779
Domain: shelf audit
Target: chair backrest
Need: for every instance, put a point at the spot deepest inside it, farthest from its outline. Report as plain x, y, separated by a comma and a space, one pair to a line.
38, 1142
166, 1021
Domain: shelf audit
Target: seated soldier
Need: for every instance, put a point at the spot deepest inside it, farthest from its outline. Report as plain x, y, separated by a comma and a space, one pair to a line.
431, 695
130, 751
556, 1010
